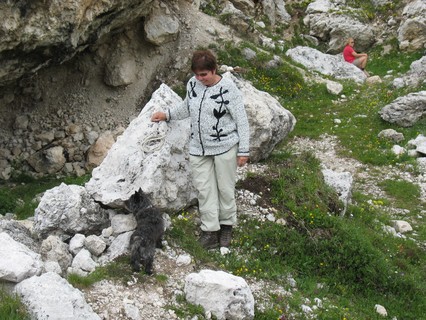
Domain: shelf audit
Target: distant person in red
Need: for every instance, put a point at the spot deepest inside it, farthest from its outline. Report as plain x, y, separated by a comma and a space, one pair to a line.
357, 59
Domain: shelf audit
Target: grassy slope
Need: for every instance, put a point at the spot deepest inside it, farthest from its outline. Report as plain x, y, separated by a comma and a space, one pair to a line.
360, 264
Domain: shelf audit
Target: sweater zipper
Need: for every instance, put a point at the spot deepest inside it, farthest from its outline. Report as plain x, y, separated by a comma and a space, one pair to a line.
199, 122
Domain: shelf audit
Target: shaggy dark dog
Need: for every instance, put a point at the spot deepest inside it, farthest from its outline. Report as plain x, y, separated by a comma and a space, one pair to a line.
148, 234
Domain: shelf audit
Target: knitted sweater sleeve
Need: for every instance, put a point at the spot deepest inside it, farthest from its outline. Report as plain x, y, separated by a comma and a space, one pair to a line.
238, 113
178, 112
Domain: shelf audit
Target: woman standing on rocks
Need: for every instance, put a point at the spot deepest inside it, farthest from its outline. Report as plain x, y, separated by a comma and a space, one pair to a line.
219, 142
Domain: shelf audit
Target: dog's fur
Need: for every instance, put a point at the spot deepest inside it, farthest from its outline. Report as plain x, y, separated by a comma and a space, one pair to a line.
148, 234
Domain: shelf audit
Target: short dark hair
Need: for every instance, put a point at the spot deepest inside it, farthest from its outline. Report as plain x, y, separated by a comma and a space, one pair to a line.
203, 60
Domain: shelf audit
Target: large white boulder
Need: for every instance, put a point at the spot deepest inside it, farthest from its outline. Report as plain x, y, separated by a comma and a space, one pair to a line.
66, 210
51, 297
148, 155
17, 262
226, 296
326, 64
405, 111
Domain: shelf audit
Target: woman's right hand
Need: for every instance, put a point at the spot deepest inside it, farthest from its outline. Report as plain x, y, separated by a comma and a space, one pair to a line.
158, 116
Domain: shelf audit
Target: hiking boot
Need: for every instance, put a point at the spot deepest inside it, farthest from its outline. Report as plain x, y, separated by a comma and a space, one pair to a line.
209, 239
225, 235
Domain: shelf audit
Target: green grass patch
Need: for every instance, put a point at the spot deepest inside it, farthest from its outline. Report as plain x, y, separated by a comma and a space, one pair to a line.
119, 269
284, 80
298, 187
405, 193
17, 196
11, 307
185, 310
391, 62
357, 264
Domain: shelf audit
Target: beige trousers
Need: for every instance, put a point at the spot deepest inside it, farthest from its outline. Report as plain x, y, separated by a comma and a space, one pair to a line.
214, 178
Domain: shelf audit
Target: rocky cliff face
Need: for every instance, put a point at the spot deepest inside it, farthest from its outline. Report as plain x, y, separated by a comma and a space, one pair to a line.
68, 86
37, 33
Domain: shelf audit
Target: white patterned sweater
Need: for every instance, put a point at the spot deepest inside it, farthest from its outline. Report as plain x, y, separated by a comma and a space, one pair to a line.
218, 118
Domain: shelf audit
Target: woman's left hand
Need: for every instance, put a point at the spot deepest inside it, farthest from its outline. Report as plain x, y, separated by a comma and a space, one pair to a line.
241, 161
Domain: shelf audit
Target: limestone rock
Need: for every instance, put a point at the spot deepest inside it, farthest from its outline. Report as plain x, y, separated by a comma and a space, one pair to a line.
19, 233
121, 223
391, 134
83, 260
183, 260
98, 151
405, 111
421, 149
326, 64
412, 31
373, 80
418, 142
320, 6
402, 226
120, 70
66, 210
249, 54
53, 249
328, 21
51, 297
77, 243
161, 27
95, 245
334, 88
414, 77
118, 247
224, 295
17, 262
380, 310
49, 160
153, 156
52, 266
398, 150
275, 11
341, 182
